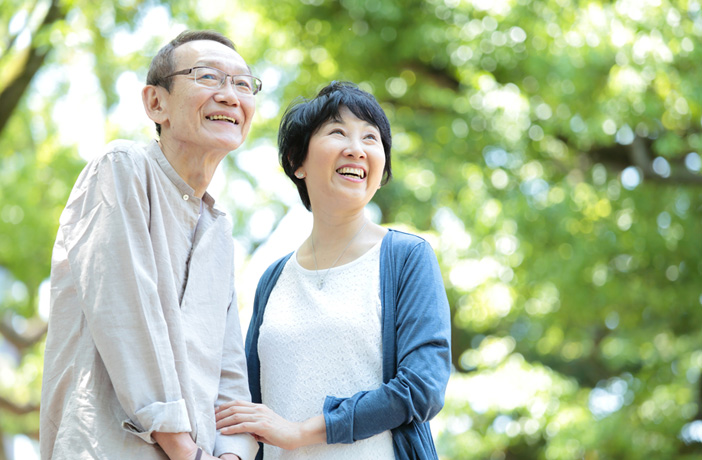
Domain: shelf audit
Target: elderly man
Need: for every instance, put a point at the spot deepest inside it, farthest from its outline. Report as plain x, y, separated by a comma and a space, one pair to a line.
144, 338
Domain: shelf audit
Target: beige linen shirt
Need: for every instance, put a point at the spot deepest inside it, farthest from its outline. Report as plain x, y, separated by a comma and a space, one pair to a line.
144, 330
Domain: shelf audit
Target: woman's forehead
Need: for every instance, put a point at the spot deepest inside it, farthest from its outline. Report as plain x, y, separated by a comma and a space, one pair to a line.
346, 115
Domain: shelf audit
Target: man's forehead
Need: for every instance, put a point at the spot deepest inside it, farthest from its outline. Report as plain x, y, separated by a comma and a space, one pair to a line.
209, 53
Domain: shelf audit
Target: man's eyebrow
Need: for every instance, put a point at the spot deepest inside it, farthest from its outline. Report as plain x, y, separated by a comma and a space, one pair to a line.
219, 64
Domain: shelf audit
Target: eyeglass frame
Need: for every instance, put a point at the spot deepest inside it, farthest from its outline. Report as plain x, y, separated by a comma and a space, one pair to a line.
221, 83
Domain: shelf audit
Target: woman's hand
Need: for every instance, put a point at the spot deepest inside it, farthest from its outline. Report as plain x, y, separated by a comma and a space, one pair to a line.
267, 426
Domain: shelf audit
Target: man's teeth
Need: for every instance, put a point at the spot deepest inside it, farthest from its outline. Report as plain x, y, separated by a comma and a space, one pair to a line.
221, 117
352, 171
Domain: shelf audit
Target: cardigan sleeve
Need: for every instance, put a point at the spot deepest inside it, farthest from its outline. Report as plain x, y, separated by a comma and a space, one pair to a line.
422, 357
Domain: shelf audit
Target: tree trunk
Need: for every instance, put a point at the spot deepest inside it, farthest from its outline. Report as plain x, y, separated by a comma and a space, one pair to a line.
13, 92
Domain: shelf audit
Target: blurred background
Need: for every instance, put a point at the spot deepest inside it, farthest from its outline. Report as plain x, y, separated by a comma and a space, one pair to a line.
548, 149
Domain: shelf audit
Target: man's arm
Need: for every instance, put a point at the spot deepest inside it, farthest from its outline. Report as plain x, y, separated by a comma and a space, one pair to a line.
105, 230
234, 384
181, 446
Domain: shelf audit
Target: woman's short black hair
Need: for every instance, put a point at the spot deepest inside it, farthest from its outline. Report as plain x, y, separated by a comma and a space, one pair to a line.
304, 117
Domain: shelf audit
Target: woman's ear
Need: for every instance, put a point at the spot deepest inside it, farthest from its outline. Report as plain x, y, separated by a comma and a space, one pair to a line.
155, 103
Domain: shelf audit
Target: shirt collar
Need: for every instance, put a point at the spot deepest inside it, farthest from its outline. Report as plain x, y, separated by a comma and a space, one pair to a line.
155, 152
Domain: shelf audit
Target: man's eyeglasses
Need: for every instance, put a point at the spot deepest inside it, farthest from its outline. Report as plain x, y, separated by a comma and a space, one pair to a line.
212, 78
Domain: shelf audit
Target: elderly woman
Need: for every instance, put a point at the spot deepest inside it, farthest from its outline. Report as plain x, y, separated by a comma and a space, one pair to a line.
348, 347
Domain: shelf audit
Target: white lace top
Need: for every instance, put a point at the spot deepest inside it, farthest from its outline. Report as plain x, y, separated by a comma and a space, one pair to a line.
315, 343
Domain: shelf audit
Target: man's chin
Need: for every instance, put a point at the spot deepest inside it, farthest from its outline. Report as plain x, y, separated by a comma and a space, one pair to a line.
231, 142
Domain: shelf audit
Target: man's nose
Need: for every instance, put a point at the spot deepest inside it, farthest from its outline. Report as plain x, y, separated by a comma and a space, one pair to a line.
227, 93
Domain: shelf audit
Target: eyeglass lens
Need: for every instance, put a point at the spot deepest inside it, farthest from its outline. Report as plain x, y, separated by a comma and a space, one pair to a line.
214, 78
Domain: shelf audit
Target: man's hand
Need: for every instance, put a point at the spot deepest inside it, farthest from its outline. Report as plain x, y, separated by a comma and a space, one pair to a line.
229, 457
180, 446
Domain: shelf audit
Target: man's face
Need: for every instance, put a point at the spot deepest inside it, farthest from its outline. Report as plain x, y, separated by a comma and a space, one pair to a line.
201, 118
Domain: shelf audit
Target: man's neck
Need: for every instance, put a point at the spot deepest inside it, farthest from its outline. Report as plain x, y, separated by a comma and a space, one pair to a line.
196, 168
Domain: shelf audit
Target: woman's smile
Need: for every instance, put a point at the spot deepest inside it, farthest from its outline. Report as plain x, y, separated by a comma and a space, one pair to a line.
345, 150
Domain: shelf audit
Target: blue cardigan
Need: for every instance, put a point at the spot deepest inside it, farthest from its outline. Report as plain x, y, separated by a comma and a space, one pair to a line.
416, 334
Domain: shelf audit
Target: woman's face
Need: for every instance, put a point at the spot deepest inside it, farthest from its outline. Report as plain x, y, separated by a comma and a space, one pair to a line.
344, 165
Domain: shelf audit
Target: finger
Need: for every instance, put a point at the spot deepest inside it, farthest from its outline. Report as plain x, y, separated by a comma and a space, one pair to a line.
251, 409
243, 427
242, 403
236, 405
230, 404
236, 419
233, 419
226, 422
224, 413
224, 406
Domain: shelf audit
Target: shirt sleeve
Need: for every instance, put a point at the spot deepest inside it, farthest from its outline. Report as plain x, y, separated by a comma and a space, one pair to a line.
422, 328
105, 230
234, 386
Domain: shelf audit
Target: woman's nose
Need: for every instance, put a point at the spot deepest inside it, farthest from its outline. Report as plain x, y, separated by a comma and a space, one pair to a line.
355, 148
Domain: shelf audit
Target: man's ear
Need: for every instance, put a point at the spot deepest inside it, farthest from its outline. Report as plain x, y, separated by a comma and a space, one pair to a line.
155, 103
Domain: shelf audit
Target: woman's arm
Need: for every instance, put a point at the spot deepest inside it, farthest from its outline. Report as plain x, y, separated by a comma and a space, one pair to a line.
421, 357
421, 324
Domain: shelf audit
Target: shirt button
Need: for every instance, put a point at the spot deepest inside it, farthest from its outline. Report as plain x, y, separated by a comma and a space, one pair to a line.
186, 197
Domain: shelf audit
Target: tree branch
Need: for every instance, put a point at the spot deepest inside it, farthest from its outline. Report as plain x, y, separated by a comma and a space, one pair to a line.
440, 77
13, 92
7, 405
640, 156
13, 38
8, 48
21, 342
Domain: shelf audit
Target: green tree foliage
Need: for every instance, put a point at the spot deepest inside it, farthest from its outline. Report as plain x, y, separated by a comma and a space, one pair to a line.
549, 149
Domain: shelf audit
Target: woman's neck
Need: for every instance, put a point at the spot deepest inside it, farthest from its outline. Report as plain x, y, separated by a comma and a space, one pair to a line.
330, 231
335, 241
